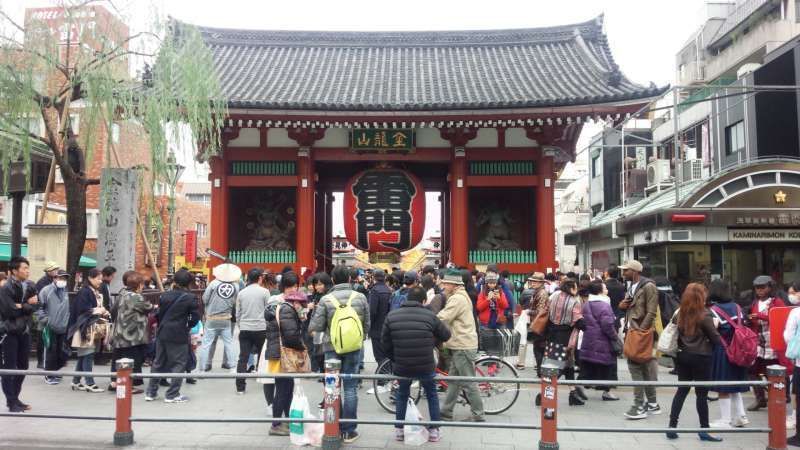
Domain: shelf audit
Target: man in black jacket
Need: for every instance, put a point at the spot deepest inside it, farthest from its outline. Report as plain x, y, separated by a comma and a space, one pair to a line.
616, 292
378, 300
17, 303
177, 314
409, 335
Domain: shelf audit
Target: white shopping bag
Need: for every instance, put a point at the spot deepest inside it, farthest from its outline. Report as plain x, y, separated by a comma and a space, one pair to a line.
263, 366
521, 326
299, 410
414, 434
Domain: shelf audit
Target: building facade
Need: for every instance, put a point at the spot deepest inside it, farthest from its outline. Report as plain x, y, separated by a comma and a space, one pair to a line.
726, 203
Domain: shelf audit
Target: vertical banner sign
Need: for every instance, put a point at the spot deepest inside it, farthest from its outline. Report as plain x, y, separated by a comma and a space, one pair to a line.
116, 243
191, 246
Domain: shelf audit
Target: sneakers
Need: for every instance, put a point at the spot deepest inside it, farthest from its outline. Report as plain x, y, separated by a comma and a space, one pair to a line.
609, 397
348, 437
150, 398
434, 435
399, 436
720, 424
379, 390
653, 409
51, 380
16, 409
636, 412
78, 387
239, 392
279, 430
94, 389
709, 437
178, 399
445, 417
739, 422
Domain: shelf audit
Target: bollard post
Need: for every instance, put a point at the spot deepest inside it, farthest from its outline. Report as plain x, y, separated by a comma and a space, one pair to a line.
124, 434
549, 413
332, 438
776, 407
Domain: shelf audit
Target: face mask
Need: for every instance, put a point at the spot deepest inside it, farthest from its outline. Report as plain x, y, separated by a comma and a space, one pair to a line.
61, 284
794, 299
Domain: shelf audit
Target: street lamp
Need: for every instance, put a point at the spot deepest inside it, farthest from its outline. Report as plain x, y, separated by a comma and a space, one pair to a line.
174, 172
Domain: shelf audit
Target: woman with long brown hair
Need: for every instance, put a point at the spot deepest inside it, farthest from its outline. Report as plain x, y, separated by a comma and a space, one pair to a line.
696, 337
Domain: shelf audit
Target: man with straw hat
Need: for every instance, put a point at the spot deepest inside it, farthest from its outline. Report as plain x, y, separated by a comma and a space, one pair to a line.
463, 345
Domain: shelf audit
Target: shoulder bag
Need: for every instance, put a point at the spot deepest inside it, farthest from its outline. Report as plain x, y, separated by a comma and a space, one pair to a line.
638, 345
292, 360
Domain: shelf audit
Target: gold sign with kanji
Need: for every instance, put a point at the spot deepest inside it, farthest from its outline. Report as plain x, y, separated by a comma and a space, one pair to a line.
382, 140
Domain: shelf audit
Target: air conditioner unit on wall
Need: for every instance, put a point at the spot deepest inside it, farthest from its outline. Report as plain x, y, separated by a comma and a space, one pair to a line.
658, 172
692, 169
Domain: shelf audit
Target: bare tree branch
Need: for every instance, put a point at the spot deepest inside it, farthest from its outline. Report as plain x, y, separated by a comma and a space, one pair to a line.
11, 21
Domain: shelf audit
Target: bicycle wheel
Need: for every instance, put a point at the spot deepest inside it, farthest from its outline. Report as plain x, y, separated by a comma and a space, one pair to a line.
386, 391
497, 397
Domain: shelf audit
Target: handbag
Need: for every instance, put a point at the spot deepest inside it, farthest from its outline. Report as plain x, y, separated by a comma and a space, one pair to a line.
668, 341
539, 323
638, 345
292, 360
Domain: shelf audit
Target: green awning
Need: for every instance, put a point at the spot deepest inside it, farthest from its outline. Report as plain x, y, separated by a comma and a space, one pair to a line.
5, 255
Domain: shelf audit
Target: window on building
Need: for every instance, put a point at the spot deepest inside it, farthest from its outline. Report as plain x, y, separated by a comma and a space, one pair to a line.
202, 229
596, 166
204, 199
75, 123
734, 138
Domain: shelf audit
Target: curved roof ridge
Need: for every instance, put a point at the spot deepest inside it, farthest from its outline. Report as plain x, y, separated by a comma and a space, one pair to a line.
591, 29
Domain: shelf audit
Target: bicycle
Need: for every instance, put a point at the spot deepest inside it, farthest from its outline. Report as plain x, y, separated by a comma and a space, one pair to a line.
497, 397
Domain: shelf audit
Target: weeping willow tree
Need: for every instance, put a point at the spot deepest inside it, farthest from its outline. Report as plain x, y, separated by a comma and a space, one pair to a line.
75, 58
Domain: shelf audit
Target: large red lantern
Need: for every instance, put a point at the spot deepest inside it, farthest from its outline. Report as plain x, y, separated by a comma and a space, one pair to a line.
384, 210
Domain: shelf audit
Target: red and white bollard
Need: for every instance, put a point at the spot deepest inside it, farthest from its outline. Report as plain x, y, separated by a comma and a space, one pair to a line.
332, 439
549, 413
123, 435
776, 407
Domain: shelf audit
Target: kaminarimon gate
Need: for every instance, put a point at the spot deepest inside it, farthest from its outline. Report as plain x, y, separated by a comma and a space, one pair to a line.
487, 119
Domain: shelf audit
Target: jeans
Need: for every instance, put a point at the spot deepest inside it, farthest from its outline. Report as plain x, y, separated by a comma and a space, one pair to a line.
644, 372
404, 391
84, 364
350, 363
227, 340
462, 363
171, 357
249, 342
284, 389
14, 355
692, 367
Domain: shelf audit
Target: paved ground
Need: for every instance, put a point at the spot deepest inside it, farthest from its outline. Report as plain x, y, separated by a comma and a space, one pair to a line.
217, 398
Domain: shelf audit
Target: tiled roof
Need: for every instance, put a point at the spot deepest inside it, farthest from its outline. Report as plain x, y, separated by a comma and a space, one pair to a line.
418, 71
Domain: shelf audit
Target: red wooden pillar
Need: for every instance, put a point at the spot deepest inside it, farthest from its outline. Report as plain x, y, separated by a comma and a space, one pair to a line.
306, 211
459, 210
219, 208
459, 195
545, 216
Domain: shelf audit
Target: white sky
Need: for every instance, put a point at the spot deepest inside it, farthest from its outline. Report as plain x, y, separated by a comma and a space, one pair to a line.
644, 35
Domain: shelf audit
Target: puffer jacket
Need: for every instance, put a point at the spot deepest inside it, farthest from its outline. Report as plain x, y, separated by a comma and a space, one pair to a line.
323, 313
409, 334
291, 329
598, 317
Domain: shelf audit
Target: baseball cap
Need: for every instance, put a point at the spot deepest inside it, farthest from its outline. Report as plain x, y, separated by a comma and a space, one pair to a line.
410, 277
632, 264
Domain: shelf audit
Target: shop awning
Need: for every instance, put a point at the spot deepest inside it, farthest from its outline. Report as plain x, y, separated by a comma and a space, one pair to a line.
5, 255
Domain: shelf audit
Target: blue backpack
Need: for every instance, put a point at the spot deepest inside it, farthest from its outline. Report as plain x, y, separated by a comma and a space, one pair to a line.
398, 298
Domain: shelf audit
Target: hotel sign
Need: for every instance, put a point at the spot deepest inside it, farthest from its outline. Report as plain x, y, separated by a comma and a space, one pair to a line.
382, 140
765, 235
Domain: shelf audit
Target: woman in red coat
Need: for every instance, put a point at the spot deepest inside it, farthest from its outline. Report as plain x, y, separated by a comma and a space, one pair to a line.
492, 303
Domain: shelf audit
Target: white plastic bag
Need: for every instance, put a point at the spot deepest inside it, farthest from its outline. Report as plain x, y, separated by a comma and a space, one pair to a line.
313, 432
263, 366
521, 326
299, 410
414, 434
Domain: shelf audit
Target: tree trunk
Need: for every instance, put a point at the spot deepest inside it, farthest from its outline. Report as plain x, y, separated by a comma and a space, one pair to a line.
75, 188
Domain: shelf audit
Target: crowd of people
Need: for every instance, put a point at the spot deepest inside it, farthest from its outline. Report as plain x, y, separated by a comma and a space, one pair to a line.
292, 323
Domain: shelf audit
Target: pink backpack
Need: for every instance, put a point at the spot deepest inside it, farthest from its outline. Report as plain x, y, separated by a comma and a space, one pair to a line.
743, 348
